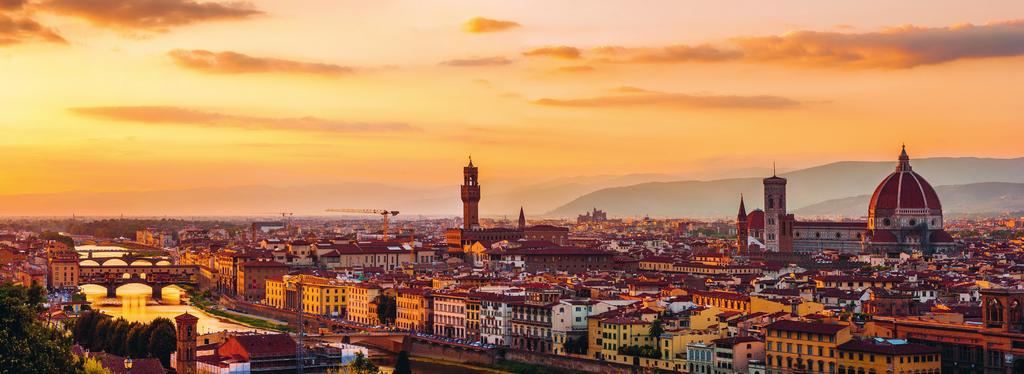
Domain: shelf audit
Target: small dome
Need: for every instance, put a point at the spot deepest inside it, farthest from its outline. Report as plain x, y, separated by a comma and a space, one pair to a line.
755, 220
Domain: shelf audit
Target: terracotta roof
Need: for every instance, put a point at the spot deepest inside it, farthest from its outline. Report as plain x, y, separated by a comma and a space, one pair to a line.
262, 264
887, 348
831, 224
266, 345
808, 327
729, 342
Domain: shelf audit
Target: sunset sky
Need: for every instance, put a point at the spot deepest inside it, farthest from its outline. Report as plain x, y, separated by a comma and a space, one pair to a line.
125, 95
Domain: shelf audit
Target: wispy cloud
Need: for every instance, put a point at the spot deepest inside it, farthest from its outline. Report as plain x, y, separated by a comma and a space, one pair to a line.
485, 25
11, 4
481, 61
155, 15
893, 48
563, 52
669, 54
171, 115
228, 62
900, 47
15, 30
575, 69
634, 97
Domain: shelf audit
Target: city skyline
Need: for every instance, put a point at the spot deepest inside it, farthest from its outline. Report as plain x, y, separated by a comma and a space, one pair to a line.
187, 96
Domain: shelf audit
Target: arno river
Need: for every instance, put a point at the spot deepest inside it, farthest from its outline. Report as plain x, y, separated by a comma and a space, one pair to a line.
134, 304
132, 299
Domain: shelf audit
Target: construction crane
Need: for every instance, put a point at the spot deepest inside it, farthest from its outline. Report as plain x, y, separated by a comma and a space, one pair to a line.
286, 218
383, 212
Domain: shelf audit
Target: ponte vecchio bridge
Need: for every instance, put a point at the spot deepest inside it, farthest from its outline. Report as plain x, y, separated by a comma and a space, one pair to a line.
113, 272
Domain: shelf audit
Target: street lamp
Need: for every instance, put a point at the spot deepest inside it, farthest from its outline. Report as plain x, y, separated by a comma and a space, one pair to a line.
128, 365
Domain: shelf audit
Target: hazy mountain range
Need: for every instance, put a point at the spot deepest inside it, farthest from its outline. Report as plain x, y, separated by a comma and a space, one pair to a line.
841, 188
806, 187
987, 197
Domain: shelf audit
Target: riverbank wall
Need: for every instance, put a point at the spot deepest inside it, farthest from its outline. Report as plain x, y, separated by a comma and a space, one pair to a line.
260, 310
568, 363
426, 348
441, 351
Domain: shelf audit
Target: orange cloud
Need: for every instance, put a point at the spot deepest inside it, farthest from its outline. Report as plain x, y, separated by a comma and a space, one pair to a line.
669, 54
894, 48
564, 52
169, 115
228, 62
19, 30
155, 15
11, 4
640, 97
575, 69
483, 25
482, 61
901, 47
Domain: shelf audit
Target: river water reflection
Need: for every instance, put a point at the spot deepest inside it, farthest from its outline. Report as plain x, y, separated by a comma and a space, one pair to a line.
133, 304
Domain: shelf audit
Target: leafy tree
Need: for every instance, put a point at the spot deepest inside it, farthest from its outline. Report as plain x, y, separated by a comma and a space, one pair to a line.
656, 328
93, 366
641, 351
362, 365
36, 295
53, 235
387, 310
117, 337
98, 340
137, 341
162, 340
26, 344
402, 364
84, 325
577, 345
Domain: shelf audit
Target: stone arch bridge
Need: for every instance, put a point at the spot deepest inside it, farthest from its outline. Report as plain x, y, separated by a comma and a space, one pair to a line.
155, 276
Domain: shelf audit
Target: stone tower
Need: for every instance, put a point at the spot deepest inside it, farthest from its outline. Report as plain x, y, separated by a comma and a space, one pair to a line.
185, 357
741, 228
470, 197
774, 210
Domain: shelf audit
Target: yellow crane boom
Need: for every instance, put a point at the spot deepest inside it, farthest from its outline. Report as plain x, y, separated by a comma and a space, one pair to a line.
383, 212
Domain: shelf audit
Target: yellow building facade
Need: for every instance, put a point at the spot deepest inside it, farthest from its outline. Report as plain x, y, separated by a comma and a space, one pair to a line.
809, 346
880, 357
413, 309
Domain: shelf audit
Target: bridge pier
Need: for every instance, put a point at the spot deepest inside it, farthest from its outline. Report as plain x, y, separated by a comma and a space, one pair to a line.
158, 291
111, 291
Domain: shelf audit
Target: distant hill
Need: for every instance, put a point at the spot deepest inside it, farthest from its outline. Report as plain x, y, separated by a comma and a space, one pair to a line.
661, 195
988, 197
499, 198
240, 200
840, 180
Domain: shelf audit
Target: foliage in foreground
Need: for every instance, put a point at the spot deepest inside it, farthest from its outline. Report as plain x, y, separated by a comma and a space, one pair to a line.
26, 344
99, 332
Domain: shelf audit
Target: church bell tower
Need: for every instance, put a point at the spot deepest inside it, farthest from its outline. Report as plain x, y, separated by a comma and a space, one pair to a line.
185, 357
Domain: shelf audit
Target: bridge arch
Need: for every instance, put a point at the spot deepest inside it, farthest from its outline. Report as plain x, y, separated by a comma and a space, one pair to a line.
141, 263
88, 263
114, 262
163, 263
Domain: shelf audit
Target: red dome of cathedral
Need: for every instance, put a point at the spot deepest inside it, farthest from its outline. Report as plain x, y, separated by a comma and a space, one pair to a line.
904, 192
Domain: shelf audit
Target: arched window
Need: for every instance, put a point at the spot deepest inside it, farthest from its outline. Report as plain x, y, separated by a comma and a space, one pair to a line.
995, 311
